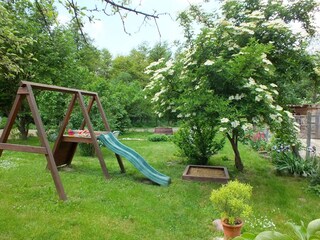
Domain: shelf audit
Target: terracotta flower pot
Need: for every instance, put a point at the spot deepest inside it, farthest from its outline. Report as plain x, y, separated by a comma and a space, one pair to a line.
231, 231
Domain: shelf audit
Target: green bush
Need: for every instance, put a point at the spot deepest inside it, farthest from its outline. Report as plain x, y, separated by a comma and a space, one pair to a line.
258, 144
314, 185
86, 149
158, 138
232, 201
197, 143
52, 135
3, 121
285, 161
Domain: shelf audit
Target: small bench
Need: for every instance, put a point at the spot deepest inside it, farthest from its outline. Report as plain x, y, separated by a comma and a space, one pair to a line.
163, 130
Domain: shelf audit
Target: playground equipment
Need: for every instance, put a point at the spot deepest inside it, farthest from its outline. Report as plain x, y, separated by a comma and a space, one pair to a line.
137, 160
65, 146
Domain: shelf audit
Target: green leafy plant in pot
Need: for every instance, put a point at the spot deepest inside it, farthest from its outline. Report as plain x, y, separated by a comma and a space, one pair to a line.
232, 201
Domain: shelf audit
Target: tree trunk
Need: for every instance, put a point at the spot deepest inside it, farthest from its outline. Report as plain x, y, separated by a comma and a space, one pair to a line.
237, 158
295, 151
23, 127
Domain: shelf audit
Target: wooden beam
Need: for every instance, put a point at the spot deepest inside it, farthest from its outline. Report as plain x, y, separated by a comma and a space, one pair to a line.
64, 124
107, 127
94, 139
102, 114
22, 90
44, 142
23, 148
89, 107
55, 88
11, 118
77, 139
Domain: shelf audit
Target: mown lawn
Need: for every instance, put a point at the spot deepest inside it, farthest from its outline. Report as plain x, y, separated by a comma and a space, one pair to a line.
129, 207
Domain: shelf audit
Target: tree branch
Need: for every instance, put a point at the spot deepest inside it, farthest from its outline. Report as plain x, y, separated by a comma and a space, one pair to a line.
47, 25
118, 7
77, 19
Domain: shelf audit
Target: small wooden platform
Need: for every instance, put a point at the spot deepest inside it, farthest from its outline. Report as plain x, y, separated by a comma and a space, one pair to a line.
206, 173
67, 148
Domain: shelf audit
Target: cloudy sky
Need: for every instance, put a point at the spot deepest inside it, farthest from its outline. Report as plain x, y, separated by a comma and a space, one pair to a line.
108, 32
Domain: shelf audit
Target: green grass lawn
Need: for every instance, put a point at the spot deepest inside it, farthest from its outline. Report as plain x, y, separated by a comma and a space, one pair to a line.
128, 207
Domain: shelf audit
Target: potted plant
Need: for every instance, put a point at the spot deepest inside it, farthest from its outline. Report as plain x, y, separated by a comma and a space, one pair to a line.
232, 202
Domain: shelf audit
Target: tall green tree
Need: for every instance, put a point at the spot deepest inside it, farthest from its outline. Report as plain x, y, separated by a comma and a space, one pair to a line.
13, 56
104, 64
57, 60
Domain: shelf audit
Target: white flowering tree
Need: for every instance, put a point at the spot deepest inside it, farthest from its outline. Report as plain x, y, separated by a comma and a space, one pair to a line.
272, 22
229, 75
176, 97
212, 88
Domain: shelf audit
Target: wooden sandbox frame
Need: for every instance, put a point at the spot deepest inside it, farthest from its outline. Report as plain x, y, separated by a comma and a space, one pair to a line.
65, 146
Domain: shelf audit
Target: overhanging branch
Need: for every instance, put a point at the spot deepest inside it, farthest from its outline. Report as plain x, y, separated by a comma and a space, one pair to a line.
118, 7
76, 11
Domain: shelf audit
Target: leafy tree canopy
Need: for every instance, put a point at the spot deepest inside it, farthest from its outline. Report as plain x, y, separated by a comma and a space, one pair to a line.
236, 72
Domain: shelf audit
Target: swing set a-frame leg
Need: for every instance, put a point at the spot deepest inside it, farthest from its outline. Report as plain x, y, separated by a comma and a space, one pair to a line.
26, 92
94, 140
107, 127
12, 116
44, 142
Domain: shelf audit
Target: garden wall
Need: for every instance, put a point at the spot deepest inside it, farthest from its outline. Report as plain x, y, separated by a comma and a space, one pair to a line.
313, 123
301, 113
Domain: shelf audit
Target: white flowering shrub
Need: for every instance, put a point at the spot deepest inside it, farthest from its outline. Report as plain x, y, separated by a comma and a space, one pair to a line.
232, 74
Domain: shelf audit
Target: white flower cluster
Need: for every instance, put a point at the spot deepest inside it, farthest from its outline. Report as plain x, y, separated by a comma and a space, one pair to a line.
265, 60
208, 63
242, 29
227, 124
187, 60
158, 74
296, 127
251, 82
153, 64
317, 70
263, 96
256, 15
157, 95
276, 23
262, 92
187, 115
261, 223
276, 117
237, 97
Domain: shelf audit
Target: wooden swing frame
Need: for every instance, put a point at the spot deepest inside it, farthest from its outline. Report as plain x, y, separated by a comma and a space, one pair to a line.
65, 146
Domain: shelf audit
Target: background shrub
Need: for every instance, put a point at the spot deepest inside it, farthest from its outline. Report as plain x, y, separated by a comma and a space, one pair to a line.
3, 121
86, 149
285, 161
158, 138
198, 144
314, 185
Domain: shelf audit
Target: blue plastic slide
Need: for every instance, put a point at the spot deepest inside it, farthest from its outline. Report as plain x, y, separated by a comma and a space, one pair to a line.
137, 160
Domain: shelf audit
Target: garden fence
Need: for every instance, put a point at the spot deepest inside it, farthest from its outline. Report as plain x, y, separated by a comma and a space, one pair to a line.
309, 130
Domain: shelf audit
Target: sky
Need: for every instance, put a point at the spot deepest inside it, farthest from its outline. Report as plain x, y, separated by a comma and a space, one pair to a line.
108, 31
